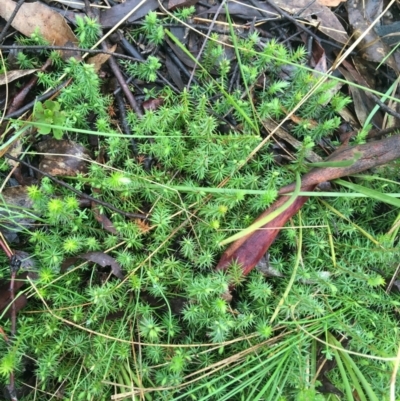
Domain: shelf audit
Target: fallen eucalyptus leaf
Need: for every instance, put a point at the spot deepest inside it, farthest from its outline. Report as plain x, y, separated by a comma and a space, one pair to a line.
10, 76
36, 16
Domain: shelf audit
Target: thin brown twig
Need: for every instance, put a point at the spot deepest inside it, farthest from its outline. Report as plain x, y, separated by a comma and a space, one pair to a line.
22, 94
40, 98
121, 80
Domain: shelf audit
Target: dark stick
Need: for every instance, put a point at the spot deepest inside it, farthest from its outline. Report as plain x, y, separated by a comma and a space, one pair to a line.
23, 93
81, 194
384, 107
40, 98
124, 123
121, 80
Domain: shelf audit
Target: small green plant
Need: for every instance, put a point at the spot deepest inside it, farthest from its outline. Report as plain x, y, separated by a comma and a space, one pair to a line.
88, 31
49, 113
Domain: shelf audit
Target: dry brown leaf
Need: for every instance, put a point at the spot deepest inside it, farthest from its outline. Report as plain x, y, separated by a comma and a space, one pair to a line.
63, 157
99, 59
372, 47
10, 76
113, 15
31, 16
99, 258
317, 15
77, 4
175, 4
244, 10
330, 3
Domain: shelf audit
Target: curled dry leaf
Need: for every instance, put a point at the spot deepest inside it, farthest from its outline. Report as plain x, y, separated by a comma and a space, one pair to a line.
327, 3
115, 14
366, 156
77, 4
10, 76
32, 16
175, 4
63, 157
100, 258
105, 222
99, 59
372, 47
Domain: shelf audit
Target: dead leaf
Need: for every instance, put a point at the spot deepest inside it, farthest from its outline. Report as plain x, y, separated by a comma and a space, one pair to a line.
10, 76
174, 73
327, 3
32, 16
249, 250
99, 59
372, 47
153, 104
181, 54
77, 4
318, 57
64, 157
105, 222
317, 15
175, 4
113, 15
362, 103
100, 258
245, 11
390, 34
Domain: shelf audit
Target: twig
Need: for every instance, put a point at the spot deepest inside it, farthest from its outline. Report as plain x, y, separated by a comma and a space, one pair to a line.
81, 194
40, 98
121, 80
124, 123
383, 106
21, 95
